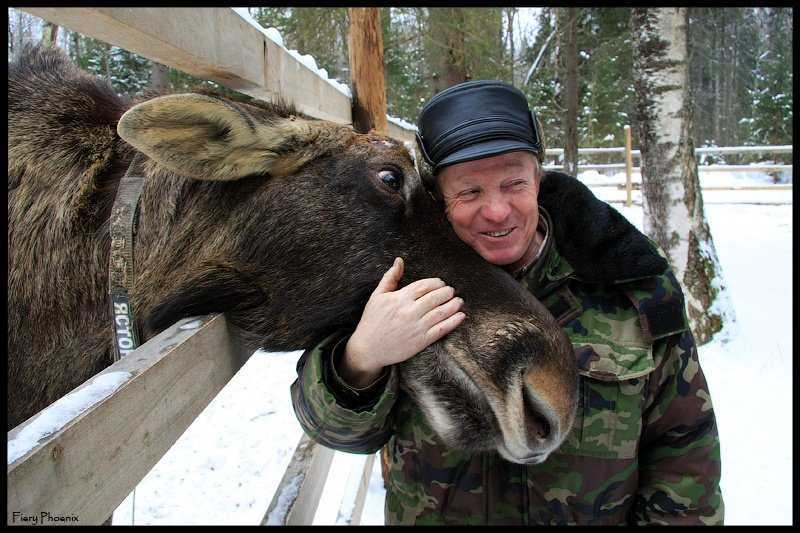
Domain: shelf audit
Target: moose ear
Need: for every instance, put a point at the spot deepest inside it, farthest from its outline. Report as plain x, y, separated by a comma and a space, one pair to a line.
206, 138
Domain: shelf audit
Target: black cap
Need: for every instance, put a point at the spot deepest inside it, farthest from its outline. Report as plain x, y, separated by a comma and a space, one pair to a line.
473, 120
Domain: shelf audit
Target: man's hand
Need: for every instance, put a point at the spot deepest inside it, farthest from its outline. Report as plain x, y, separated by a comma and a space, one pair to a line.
397, 324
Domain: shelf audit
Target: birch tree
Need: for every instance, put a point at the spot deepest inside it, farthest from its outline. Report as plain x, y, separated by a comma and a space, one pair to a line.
672, 199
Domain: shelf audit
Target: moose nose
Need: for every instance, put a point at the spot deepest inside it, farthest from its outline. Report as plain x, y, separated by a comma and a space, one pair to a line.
539, 418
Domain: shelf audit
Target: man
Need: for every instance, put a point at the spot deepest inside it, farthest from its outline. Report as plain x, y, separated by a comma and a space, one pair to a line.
644, 447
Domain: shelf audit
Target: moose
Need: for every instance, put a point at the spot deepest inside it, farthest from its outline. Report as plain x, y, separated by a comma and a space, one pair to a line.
248, 208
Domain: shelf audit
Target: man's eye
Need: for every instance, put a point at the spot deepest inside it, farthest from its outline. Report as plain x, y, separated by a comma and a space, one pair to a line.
469, 193
517, 184
392, 178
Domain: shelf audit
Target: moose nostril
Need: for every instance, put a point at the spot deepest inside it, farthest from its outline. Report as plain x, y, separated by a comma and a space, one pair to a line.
541, 427
538, 425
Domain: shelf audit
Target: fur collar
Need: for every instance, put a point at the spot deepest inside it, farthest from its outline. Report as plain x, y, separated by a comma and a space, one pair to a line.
599, 243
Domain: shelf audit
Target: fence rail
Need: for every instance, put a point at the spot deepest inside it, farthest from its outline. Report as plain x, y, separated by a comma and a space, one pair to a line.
85, 465
777, 149
233, 53
629, 154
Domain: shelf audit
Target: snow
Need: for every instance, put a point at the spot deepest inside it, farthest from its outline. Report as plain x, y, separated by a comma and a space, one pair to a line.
63, 411
227, 465
274, 35
306, 59
277, 516
402, 123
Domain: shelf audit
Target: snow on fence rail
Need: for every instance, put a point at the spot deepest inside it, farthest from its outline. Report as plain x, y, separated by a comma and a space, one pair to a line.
82, 455
218, 44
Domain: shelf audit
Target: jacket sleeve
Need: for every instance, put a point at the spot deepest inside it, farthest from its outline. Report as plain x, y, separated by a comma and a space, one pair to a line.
679, 470
336, 415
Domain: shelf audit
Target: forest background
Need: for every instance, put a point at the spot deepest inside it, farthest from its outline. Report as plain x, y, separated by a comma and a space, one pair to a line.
740, 64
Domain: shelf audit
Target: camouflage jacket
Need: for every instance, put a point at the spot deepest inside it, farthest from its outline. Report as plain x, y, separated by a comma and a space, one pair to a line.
644, 448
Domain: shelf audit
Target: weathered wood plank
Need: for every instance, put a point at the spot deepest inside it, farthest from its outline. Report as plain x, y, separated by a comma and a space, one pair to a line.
211, 43
296, 499
88, 465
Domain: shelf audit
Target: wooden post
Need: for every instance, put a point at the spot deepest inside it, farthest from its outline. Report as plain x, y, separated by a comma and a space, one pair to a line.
365, 51
628, 165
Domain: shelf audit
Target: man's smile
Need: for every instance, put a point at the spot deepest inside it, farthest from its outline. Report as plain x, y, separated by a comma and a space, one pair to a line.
498, 234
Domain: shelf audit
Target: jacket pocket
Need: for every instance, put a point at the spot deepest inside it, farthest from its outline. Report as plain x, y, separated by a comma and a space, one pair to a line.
608, 422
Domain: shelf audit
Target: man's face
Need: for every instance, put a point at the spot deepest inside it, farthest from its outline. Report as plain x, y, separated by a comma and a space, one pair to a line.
492, 205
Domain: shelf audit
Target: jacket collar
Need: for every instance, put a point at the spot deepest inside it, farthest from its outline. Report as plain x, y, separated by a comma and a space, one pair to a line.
597, 243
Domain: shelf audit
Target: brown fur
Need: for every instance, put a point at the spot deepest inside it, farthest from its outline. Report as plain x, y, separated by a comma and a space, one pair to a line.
279, 221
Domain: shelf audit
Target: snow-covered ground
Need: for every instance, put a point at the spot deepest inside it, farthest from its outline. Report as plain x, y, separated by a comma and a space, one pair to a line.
227, 465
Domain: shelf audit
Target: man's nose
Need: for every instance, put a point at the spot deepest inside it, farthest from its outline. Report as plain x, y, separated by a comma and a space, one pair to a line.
495, 209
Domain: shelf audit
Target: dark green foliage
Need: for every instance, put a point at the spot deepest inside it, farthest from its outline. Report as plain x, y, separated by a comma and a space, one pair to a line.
771, 94
403, 58
741, 75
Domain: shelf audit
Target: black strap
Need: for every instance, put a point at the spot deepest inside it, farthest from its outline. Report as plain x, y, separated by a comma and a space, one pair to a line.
122, 229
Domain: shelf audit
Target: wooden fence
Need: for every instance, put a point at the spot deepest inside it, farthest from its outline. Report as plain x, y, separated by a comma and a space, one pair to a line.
79, 458
628, 154
82, 466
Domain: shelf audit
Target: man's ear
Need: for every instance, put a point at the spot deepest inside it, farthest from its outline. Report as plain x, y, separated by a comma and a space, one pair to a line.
207, 138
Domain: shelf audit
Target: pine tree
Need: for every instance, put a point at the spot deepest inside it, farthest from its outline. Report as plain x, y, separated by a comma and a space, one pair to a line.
406, 88
772, 91
608, 72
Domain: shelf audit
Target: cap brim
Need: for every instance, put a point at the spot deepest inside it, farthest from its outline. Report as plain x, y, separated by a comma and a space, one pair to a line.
484, 149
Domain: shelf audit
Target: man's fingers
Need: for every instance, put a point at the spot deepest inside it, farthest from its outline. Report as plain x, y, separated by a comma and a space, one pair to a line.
434, 299
421, 287
391, 277
442, 312
444, 327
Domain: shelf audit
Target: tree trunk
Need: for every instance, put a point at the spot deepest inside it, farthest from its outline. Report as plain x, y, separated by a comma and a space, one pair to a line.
365, 52
77, 54
159, 77
510, 13
571, 125
21, 24
447, 29
50, 34
672, 199
105, 60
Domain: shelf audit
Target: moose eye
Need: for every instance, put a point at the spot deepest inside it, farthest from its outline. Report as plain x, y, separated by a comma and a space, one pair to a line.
392, 178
